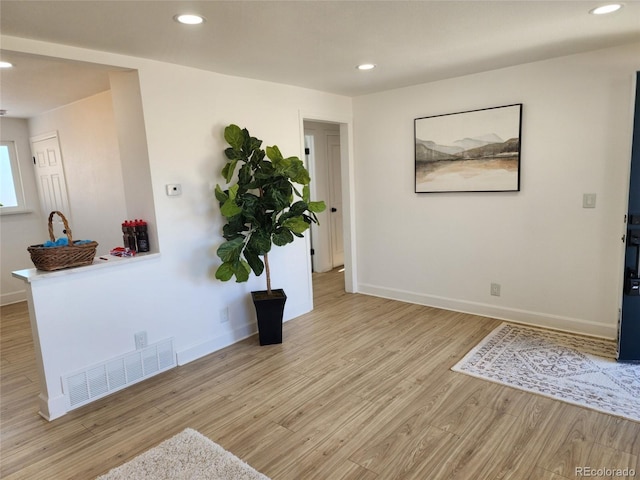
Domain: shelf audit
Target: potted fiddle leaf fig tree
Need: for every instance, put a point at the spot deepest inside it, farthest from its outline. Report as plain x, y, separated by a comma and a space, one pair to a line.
262, 207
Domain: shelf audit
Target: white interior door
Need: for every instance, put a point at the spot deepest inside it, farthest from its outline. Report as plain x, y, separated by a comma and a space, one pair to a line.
335, 200
50, 179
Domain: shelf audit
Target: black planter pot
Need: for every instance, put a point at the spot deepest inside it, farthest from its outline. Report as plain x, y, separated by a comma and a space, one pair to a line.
269, 310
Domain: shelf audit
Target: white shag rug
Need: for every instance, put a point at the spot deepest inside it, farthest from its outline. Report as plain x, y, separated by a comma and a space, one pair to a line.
578, 370
187, 456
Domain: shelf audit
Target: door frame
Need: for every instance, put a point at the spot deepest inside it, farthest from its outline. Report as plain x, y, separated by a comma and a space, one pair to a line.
347, 172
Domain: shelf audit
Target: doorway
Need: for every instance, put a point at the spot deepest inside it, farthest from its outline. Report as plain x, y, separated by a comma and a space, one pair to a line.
328, 157
322, 149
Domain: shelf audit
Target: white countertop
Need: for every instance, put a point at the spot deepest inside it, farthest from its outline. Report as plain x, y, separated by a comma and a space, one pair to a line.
102, 261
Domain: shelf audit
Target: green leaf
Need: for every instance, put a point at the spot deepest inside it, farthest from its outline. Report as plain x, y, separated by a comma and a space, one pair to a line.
225, 271
233, 191
277, 196
254, 261
251, 144
282, 237
251, 208
296, 224
256, 157
233, 154
233, 229
228, 169
230, 251
298, 208
265, 168
260, 242
274, 153
281, 165
220, 195
297, 172
317, 207
239, 268
245, 175
230, 208
233, 136
242, 271
306, 193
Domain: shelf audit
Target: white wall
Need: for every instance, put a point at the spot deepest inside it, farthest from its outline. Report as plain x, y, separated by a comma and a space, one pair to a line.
186, 147
134, 155
176, 295
18, 231
559, 265
93, 171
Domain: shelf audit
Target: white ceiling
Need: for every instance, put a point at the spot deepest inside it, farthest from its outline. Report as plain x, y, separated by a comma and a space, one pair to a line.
38, 84
317, 44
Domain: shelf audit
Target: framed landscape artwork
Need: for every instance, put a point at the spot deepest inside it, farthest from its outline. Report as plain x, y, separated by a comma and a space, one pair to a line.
474, 151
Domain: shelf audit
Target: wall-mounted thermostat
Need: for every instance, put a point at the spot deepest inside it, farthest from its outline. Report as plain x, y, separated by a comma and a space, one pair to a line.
174, 189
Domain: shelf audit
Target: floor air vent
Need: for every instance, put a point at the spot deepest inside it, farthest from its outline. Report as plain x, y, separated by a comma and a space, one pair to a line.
115, 374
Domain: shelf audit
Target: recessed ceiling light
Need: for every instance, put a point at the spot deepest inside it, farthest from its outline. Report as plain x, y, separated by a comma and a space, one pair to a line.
366, 66
6, 65
610, 8
189, 19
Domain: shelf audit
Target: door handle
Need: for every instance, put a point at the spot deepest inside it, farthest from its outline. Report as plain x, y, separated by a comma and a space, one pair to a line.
333, 209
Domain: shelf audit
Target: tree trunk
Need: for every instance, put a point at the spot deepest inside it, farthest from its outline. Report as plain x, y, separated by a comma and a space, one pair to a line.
268, 272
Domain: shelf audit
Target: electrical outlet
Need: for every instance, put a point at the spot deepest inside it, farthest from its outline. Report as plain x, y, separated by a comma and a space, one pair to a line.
589, 200
495, 289
141, 340
224, 315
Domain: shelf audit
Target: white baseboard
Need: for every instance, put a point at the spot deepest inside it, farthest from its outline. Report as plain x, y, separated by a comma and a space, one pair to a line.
538, 319
13, 297
238, 334
52, 408
194, 352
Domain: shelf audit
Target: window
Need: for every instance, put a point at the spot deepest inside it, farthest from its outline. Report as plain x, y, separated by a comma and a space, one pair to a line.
11, 194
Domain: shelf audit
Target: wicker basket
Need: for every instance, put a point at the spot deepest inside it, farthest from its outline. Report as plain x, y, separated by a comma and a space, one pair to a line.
57, 258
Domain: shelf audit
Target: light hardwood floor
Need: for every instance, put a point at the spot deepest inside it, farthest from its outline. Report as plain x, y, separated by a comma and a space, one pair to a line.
360, 389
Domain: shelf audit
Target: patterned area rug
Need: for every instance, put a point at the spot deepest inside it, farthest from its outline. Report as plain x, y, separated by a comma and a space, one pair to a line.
189, 455
578, 370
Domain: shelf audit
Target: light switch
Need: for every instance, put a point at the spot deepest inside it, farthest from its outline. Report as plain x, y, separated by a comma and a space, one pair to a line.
589, 200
